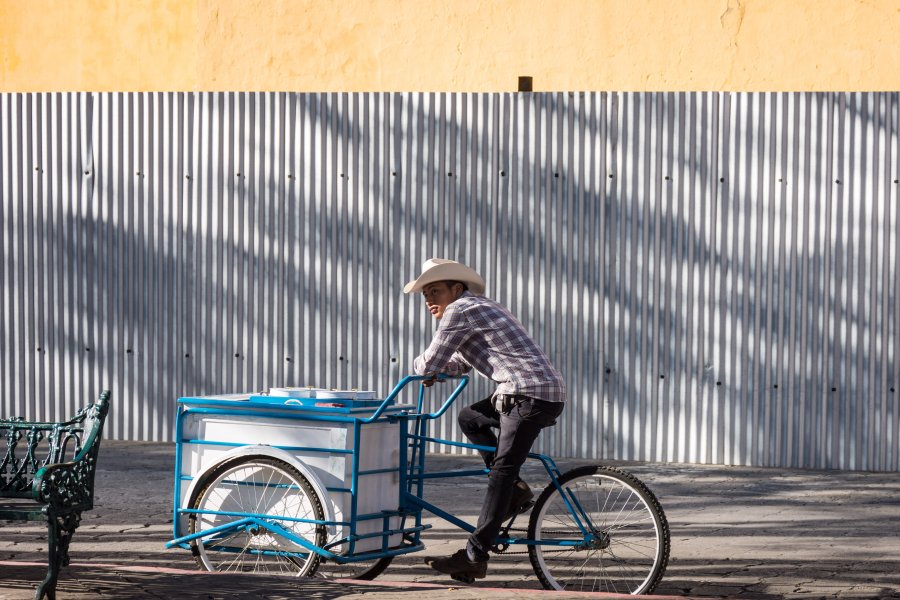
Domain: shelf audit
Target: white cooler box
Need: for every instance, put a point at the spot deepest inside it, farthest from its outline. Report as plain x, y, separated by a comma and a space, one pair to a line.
379, 449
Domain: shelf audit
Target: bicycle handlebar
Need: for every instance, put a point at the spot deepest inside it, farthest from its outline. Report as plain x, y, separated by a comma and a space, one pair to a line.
463, 381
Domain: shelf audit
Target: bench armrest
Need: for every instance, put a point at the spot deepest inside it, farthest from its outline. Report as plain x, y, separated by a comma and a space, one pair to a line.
68, 485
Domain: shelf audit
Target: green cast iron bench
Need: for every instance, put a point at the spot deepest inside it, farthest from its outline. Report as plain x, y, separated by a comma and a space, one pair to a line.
48, 475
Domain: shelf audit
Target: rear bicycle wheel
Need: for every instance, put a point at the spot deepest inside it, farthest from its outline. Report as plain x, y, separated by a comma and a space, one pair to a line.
255, 485
621, 545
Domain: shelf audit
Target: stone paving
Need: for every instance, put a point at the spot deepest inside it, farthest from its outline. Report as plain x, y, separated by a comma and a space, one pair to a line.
736, 533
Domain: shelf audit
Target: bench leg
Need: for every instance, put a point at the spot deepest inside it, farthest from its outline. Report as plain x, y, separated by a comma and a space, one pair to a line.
59, 533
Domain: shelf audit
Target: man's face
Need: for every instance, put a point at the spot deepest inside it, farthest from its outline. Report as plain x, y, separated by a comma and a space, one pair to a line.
438, 295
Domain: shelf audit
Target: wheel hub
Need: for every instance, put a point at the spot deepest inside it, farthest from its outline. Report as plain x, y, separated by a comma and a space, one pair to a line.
598, 541
259, 537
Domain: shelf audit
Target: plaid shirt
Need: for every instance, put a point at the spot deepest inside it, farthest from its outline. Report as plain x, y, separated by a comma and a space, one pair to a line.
477, 332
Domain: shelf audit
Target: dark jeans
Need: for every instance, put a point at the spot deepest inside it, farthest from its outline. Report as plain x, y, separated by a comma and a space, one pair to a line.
519, 429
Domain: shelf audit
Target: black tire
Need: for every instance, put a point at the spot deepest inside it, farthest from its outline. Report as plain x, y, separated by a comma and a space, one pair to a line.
245, 485
366, 570
627, 549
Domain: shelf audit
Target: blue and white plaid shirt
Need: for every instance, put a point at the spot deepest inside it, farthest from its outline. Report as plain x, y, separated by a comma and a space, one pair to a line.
478, 333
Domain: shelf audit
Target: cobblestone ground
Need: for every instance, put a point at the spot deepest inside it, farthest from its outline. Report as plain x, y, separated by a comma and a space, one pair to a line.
736, 533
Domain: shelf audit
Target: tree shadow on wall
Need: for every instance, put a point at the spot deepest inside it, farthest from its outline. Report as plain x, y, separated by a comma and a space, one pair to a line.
274, 257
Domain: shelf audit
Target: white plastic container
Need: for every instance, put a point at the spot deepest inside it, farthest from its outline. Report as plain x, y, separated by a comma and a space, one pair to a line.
345, 395
379, 449
294, 392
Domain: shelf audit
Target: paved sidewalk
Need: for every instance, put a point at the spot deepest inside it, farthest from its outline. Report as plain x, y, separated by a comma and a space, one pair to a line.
736, 533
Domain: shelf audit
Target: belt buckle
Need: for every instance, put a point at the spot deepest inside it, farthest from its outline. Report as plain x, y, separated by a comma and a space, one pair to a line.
504, 403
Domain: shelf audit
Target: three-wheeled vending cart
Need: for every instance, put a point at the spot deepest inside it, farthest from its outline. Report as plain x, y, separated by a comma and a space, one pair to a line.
333, 483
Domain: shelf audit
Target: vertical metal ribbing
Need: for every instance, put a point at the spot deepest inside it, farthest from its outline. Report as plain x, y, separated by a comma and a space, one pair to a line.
891, 441
812, 182
596, 229
6, 376
841, 243
24, 228
801, 200
9, 143
715, 274
32, 212
890, 426
278, 230
610, 321
41, 208
787, 373
870, 434
614, 319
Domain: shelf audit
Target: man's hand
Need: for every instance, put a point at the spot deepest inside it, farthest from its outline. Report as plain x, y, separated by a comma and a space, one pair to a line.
429, 380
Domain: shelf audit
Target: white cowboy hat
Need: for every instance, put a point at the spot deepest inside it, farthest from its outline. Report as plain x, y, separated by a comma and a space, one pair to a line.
441, 269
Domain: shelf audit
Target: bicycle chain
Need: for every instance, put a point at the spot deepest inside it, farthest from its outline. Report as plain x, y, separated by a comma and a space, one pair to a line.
544, 551
506, 550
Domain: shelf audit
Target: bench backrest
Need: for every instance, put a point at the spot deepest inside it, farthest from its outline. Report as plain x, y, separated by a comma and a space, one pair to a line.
32, 446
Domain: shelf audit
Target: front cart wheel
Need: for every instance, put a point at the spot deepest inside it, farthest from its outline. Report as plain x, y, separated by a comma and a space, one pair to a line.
273, 493
619, 542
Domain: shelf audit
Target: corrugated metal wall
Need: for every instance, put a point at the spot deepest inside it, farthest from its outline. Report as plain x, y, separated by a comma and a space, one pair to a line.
714, 273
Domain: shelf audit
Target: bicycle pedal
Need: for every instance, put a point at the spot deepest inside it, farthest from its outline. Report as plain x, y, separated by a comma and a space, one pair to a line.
463, 578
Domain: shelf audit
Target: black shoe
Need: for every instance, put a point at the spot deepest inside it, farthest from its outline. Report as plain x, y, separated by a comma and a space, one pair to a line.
520, 501
459, 567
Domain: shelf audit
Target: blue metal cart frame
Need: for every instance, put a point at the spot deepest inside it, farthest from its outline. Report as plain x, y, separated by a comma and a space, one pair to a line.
401, 527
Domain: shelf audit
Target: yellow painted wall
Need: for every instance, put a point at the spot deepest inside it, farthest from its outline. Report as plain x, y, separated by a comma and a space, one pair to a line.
449, 45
